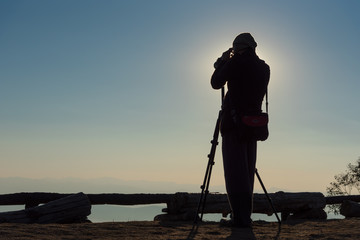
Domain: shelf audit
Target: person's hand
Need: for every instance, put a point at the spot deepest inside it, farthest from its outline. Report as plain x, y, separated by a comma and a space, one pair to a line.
226, 55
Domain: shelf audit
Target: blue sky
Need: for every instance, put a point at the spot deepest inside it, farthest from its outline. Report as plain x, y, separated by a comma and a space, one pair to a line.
121, 89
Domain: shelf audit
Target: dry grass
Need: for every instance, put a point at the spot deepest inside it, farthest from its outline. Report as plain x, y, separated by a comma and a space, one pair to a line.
330, 230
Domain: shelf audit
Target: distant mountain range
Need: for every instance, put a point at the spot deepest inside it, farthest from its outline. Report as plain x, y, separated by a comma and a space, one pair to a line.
98, 185
102, 185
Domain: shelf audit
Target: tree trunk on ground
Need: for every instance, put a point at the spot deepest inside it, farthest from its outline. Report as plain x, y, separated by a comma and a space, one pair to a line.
34, 199
350, 209
316, 213
218, 203
72, 208
341, 199
297, 204
301, 205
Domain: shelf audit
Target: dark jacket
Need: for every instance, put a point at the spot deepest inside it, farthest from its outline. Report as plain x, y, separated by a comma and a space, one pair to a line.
247, 78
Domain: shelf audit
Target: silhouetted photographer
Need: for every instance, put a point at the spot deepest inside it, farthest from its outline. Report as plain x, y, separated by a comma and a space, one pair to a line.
242, 121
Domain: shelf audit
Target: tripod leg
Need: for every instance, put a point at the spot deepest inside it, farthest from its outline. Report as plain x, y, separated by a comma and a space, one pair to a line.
206, 183
204, 192
211, 156
267, 196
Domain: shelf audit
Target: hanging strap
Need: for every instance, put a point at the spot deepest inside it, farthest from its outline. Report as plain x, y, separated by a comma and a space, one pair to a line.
267, 101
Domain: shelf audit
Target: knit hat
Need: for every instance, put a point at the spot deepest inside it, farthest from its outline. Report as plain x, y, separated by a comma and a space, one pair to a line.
242, 41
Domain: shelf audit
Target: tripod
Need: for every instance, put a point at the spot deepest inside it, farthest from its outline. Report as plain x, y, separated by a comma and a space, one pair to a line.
205, 186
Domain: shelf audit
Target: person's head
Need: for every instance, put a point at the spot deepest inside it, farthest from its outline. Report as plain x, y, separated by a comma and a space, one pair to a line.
243, 41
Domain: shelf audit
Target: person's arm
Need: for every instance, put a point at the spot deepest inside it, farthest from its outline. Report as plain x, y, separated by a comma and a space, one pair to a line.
221, 74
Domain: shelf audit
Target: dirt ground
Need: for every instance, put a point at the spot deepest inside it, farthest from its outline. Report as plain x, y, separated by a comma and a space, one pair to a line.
344, 229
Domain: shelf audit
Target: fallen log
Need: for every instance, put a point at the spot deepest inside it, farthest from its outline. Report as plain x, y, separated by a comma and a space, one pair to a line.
316, 213
301, 205
129, 199
34, 199
350, 209
298, 204
341, 199
218, 203
29, 199
282, 201
72, 208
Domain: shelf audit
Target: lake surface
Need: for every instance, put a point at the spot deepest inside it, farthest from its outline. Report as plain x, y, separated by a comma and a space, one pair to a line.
117, 213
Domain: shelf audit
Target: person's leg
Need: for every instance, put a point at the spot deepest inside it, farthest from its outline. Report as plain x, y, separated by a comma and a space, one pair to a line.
251, 154
239, 166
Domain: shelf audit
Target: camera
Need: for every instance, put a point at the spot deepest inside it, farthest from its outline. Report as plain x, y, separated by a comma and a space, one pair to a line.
224, 57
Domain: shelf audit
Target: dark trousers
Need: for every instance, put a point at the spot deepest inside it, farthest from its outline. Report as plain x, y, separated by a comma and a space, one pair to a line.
239, 159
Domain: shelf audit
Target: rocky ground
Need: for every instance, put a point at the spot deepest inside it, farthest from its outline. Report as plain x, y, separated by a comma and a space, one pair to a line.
344, 229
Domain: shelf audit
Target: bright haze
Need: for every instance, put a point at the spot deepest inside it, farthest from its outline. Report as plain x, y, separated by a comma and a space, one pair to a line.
121, 89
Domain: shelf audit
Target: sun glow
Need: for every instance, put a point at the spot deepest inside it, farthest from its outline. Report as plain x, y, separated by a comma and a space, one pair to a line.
279, 67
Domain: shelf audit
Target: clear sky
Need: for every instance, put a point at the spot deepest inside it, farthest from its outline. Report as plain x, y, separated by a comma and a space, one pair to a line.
121, 89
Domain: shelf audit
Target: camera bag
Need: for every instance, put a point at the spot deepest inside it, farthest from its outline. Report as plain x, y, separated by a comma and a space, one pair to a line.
252, 126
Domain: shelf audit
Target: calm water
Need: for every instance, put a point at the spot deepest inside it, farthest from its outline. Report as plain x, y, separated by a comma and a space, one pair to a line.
115, 213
